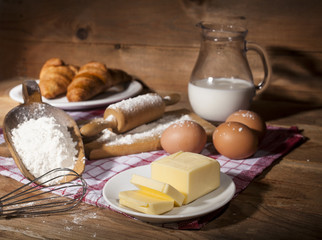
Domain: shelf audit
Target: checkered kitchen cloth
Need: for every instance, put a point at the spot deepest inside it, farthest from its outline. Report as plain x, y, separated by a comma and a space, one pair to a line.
276, 143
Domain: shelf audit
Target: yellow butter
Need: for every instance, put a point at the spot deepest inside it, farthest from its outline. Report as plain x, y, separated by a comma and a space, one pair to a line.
138, 200
192, 174
158, 189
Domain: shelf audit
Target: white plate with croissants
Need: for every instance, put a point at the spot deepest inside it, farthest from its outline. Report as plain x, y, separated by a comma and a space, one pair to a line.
71, 87
111, 95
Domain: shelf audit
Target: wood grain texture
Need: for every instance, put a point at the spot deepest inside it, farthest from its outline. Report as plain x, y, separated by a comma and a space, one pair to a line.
158, 41
285, 197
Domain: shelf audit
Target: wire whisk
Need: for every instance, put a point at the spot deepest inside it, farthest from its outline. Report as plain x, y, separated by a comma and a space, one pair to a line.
44, 195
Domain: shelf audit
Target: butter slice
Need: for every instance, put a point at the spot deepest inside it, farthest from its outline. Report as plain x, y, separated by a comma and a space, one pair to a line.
192, 174
158, 189
138, 200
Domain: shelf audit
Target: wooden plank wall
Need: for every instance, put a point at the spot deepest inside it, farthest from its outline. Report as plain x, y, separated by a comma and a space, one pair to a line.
157, 41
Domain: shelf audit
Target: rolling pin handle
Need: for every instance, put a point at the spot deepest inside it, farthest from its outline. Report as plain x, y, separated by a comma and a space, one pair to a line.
171, 99
96, 126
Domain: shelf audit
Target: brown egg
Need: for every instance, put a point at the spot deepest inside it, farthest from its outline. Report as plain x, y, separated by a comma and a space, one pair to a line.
250, 119
235, 140
186, 136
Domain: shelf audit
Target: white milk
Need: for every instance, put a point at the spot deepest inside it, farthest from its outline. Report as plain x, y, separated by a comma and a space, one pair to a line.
215, 99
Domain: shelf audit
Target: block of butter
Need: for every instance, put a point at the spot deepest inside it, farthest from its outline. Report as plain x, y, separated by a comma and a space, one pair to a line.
159, 189
140, 201
192, 174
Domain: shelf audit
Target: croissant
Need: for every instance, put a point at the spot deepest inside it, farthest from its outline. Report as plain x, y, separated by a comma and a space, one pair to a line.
92, 79
55, 76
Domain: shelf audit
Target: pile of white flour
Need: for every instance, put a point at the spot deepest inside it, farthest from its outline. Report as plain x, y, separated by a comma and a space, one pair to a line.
43, 145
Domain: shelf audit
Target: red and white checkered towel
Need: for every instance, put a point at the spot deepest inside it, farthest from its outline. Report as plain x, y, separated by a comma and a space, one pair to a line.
276, 143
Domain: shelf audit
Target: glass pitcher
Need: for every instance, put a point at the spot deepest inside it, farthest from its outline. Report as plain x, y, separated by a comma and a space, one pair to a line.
222, 81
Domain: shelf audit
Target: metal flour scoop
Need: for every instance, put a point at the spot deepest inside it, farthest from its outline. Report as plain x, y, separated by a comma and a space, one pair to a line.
34, 108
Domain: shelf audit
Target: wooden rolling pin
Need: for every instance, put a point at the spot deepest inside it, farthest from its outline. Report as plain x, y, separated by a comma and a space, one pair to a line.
130, 113
100, 148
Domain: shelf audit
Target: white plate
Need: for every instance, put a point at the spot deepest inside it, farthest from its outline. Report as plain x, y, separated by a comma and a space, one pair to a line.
201, 206
110, 96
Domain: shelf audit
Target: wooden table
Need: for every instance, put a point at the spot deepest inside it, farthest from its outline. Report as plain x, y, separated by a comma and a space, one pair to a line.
284, 202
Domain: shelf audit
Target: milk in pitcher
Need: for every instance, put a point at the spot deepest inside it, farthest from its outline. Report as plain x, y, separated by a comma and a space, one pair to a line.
215, 99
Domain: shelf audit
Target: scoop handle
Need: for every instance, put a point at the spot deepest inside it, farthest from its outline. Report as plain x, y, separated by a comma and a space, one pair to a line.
31, 92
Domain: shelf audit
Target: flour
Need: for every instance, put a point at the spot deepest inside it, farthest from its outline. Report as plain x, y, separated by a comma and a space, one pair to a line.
43, 145
150, 130
139, 102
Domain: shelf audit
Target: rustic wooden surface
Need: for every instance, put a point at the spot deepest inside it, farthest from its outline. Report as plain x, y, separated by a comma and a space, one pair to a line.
157, 42
284, 202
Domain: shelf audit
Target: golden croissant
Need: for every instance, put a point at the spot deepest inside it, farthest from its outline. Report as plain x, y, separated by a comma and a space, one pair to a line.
92, 79
55, 76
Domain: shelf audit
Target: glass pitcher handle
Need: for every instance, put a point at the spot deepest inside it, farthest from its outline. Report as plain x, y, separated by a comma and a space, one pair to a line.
250, 46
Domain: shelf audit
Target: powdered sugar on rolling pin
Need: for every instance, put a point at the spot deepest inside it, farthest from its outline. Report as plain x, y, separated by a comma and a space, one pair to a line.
43, 145
138, 102
150, 130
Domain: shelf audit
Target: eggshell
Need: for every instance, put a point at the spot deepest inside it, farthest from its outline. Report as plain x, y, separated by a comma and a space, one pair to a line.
235, 140
250, 119
186, 136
